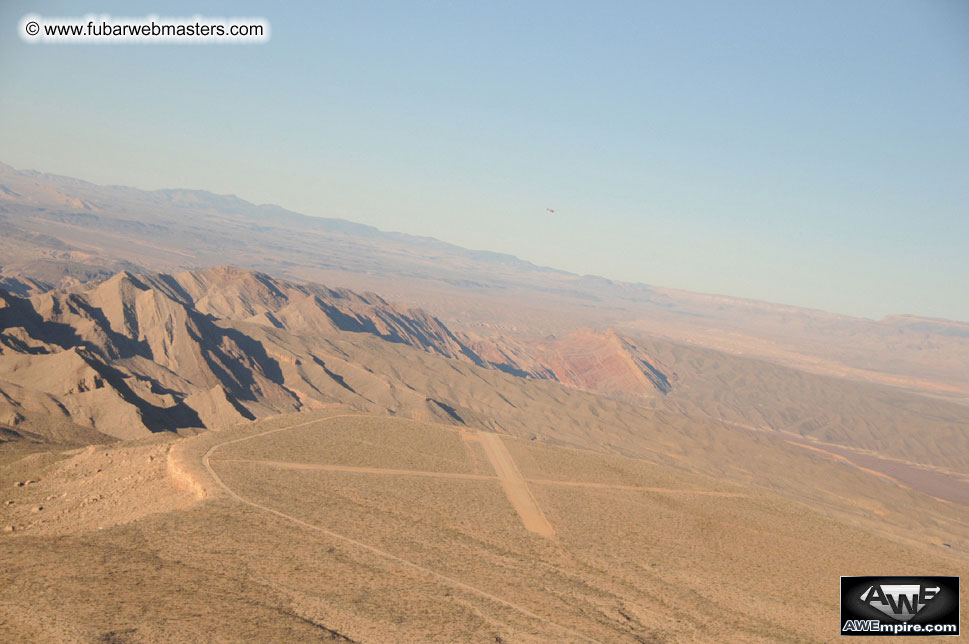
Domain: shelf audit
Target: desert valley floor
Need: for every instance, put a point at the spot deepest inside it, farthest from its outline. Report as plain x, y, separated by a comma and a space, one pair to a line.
340, 526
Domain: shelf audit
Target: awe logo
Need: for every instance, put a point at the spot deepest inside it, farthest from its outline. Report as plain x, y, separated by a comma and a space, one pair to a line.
901, 601
899, 606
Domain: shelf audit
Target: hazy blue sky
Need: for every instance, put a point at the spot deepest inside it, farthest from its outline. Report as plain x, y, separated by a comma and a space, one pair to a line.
812, 153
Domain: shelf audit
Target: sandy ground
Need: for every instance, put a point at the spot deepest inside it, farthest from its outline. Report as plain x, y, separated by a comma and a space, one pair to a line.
282, 530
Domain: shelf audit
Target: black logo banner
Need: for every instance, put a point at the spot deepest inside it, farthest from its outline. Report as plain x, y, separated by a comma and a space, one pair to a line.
900, 606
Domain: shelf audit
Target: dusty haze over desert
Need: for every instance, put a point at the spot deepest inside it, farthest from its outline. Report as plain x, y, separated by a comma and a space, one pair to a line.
223, 420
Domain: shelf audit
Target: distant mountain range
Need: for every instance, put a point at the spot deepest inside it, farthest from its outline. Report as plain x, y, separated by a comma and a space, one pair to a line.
58, 232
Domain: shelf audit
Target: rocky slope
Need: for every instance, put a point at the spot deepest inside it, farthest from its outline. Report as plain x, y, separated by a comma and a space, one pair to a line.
603, 362
143, 353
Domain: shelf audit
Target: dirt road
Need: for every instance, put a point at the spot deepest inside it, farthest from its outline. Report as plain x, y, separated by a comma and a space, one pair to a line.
285, 465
